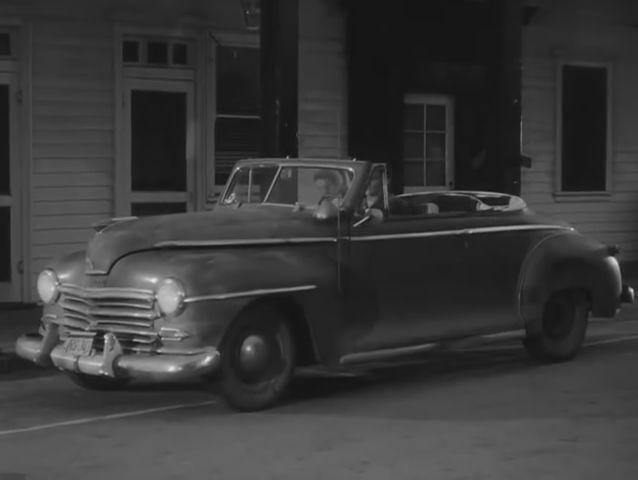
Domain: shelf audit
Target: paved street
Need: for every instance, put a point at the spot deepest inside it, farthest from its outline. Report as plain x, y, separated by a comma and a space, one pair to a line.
489, 413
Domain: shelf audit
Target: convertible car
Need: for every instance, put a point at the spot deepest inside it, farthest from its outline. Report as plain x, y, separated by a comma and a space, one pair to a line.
312, 263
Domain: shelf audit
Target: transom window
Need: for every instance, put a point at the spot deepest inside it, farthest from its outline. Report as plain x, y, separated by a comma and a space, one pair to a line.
7, 44
427, 141
157, 52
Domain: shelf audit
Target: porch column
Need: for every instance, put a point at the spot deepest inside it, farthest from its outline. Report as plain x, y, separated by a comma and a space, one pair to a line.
507, 97
279, 42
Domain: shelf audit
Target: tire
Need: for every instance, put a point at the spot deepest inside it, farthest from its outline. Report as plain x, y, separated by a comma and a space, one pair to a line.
258, 378
563, 328
93, 382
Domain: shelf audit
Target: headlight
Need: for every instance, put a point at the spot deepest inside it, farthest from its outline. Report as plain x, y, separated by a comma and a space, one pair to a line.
48, 286
170, 296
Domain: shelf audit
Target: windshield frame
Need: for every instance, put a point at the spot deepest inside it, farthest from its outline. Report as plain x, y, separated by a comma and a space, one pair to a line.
242, 166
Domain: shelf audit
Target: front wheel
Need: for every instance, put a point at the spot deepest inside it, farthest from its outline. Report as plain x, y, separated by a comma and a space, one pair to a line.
258, 359
563, 328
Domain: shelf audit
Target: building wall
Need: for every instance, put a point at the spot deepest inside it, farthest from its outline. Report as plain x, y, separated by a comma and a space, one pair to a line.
72, 135
596, 31
322, 80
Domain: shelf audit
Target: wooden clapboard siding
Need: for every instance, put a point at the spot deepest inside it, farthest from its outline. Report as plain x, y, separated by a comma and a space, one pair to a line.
592, 31
73, 134
322, 80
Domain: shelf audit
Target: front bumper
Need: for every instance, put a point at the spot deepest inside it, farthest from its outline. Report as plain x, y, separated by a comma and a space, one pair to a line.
113, 362
627, 295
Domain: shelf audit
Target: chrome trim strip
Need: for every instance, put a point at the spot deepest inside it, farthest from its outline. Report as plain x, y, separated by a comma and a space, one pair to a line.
464, 231
248, 293
387, 353
108, 292
244, 242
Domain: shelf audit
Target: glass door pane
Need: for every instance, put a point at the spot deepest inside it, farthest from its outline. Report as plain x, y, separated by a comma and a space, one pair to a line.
5, 185
159, 151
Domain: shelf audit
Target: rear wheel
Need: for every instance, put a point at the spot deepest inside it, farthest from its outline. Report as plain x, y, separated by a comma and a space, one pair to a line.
258, 359
563, 328
94, 382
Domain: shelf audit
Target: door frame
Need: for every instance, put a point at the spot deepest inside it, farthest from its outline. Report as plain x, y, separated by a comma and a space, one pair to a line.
126, 195
437, 99
12, 291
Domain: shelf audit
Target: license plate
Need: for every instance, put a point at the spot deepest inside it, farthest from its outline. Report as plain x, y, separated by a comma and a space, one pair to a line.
79, 346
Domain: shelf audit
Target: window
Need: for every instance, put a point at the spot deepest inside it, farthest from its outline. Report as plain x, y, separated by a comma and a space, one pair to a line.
237, 125
427, 141
157, 52
584, 128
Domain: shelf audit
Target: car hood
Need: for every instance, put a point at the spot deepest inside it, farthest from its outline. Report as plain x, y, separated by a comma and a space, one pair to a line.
222, 226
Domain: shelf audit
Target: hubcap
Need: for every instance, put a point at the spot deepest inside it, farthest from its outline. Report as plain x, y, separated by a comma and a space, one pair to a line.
254, 354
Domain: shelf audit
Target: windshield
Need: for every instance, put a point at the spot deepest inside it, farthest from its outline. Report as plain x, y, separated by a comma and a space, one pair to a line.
288, 185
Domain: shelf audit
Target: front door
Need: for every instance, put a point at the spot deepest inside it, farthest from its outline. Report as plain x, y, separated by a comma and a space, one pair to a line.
428, 142
10, 240
161, 145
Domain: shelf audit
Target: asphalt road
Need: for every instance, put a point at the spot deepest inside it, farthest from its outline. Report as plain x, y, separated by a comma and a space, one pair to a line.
490, 413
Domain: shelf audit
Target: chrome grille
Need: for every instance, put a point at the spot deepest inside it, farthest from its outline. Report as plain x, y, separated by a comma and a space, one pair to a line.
128, 313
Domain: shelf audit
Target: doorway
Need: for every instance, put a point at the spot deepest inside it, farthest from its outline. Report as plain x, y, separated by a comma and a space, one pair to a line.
10, 192
160, 146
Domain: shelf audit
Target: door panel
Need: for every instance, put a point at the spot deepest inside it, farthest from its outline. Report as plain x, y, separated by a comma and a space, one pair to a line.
404, 289
161, 121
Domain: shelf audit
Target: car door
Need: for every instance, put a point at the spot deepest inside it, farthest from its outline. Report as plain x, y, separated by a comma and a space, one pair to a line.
402, 278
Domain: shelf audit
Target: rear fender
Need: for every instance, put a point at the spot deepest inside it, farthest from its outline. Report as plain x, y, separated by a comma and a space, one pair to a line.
565, 261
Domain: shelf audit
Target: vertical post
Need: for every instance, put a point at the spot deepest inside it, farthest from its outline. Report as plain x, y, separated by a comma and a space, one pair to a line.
507, 75
279, 41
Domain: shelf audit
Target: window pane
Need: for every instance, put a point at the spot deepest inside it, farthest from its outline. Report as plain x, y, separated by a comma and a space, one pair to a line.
235, 138
5, 44
131, 51
157, 53
238, 87
435, 146
584, 132
413, 118
5, 244
180, 54
412, 145
5, 186
435, 173
147, 209
413, 174
435, 118
158, 143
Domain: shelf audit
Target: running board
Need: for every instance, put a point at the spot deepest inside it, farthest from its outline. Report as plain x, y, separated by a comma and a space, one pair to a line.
392, 353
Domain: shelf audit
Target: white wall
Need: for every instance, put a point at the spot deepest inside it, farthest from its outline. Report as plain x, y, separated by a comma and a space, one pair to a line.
322, 80
598, 31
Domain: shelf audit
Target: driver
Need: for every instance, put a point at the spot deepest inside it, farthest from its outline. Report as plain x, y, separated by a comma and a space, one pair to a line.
327, 184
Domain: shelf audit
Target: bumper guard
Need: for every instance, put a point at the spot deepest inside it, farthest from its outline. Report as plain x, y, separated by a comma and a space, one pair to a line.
113, 362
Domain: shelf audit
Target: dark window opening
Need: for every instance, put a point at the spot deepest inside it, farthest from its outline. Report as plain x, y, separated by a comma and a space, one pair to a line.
235, 138
157, 53
131, 51
158, 133
584, 129
238, 81
157, 208
5, 157
237, 127
180, 54
5, 244
5, 44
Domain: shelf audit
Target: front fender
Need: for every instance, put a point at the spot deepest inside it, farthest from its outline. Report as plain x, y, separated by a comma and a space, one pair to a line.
249, 275
569, 260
